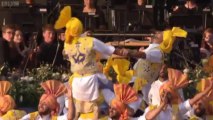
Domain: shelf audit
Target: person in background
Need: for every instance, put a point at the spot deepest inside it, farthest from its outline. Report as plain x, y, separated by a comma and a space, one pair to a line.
60, 40
207, 43
190, 7
141, 2
10, 53
93, 17
6, 44
19, 42
19, 49
49, 51
61, 35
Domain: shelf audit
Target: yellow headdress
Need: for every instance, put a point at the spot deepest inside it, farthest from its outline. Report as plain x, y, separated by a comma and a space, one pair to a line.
74, 27
169, 37
121, 68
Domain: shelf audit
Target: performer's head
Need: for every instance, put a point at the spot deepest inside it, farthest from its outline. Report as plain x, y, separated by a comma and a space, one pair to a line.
74, 29
199, 108
158, 37
90, 3
48, 102
43, 109
113, 113
141, 2
48, 105
8, 32
48, 33
163, 75
124, 95
6, 101
18, 37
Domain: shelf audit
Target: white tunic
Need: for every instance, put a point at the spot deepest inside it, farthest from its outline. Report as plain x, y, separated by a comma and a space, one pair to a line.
183, 107
153, 55
86, 88
154, 94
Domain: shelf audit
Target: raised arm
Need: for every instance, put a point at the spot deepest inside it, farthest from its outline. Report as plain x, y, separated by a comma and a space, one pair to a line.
202, 94
130, 53
137, 54
155, 112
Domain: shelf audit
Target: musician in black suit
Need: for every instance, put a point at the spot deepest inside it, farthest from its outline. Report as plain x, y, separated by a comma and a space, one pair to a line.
92, 16
6, 43
49, 51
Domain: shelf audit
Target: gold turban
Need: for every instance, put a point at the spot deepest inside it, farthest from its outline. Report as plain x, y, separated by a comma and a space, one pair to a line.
53, 89
74, 27
176, 81
6, 101
169, 37
124, 95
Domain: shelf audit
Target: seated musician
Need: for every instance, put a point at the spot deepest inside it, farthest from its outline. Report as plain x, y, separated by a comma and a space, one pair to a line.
92, 17
49, 51
190, 7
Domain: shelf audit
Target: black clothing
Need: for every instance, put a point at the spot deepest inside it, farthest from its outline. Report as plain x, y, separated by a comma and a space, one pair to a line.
9, 54
183, 10
48, 52
4, 50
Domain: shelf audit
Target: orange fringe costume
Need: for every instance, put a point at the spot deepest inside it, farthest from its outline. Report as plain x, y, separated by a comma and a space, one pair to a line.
124, 95
53, 89
177, 80
6, 101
